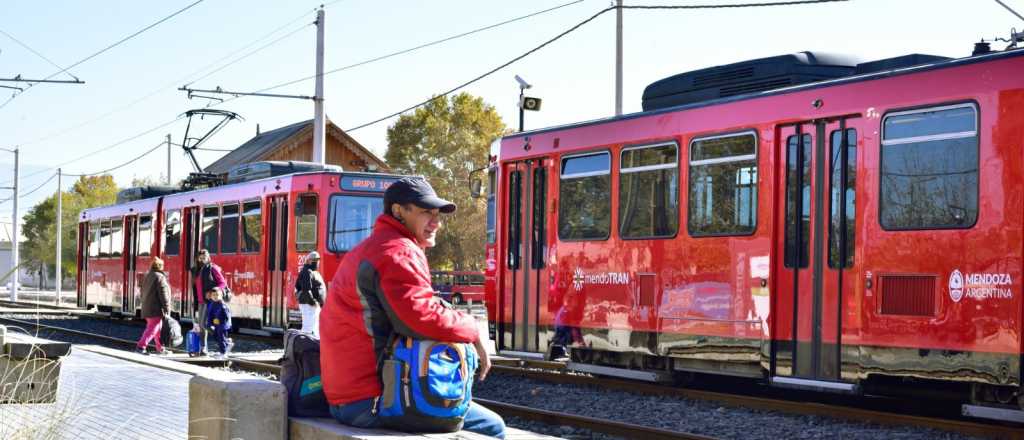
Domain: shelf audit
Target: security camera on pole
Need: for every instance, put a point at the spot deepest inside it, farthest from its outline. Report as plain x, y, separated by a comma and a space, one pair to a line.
525, 102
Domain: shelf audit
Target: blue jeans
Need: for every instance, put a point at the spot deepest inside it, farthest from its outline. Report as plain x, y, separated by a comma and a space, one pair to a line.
478, 419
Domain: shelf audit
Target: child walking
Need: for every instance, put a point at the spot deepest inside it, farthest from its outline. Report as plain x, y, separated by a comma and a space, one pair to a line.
218, 319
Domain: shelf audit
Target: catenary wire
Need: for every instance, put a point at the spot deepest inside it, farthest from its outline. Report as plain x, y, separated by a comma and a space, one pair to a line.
101, 51
11, 37
422, 46
25, 194
170, 84
207, 75
575, 27
136, 158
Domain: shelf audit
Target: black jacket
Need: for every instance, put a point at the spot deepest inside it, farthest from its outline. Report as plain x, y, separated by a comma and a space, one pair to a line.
156, 295
309, 287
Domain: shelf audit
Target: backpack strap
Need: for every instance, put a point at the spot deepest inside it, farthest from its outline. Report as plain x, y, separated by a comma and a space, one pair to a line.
384, 354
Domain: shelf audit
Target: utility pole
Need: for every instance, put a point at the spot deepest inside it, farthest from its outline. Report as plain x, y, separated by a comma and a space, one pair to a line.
168, 158
618, 58
60, 232
319, 124
14, 230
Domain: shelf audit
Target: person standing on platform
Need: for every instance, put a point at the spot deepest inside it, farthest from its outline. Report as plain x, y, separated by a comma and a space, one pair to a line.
218, 319
383, 287
309, 287
156, 303
206, 276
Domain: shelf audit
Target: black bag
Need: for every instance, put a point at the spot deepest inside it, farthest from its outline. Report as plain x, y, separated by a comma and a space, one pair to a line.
170, 332
300, 375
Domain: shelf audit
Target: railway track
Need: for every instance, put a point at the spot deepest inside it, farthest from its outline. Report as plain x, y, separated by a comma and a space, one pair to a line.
544, 371
556, 372
247, 365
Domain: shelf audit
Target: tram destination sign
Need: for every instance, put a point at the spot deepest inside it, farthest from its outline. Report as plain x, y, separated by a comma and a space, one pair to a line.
366, 183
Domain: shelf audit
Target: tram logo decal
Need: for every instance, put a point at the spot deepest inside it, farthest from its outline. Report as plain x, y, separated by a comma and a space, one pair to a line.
579, 278
980, 286
956, 285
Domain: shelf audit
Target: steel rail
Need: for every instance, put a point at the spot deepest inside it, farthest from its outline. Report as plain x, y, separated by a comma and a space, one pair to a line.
768, 404
242, 363
627, 430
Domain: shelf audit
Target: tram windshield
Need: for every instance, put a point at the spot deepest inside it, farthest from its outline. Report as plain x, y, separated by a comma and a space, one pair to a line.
351, 220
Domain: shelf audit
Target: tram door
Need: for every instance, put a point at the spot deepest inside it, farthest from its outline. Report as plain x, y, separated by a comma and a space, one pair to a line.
526, 282
190, 248
275, 307
818, 172
84, 238
131, 251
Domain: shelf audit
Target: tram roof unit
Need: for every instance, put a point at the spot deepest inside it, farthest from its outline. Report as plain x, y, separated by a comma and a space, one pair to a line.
217, 193
891, 67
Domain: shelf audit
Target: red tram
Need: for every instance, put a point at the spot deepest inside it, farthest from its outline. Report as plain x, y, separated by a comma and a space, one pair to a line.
257, 230
819, 223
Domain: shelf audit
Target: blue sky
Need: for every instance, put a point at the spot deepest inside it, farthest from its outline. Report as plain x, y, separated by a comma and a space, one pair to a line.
574, 76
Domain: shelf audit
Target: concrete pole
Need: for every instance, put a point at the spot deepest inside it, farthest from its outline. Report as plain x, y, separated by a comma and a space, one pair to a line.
60, 233
319, 124
14, 233
168, 158
618, 58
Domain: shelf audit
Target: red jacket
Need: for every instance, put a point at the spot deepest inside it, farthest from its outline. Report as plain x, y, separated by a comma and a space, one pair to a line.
382, 286
218, 280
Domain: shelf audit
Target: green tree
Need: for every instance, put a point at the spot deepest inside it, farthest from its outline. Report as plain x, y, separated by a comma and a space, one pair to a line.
444, 141
40, 224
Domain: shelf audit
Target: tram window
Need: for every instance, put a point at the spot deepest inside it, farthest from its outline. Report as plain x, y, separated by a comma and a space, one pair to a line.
584, 207
211, 228
94, 239
649, 191
116, 238
929, 172
492, 214
145, 234
305, 223
105, 239
515, 220
351, 220
797, 170
723, 185
252, 226
229, 228
172, 233
838, 187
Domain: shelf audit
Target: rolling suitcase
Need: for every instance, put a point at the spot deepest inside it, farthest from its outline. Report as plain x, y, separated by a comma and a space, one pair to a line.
193, 343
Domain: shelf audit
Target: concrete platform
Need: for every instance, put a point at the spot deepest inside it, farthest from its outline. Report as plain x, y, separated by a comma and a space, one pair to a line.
328, 429
103, 397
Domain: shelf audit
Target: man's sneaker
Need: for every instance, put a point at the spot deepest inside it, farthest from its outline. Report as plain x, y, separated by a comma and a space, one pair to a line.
140, 350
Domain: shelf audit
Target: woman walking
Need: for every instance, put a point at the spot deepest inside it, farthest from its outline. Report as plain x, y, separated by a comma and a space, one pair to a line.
156, 303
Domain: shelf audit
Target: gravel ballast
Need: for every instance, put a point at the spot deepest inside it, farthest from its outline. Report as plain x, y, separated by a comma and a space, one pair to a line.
684, 415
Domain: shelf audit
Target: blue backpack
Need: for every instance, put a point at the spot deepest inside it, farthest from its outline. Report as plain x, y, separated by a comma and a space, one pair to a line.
426, 385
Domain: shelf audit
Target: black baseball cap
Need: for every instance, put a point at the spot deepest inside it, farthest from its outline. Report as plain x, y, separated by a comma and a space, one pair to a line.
416, 190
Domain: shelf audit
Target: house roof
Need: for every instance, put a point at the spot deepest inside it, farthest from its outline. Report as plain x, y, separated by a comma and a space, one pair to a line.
264, 143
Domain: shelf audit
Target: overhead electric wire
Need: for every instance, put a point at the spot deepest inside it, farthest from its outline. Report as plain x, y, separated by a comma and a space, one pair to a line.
176, 82
25, 194
577, 26
1010, 9
247, 55
11, 37
161, 144
100, 150
422, 46
111, 46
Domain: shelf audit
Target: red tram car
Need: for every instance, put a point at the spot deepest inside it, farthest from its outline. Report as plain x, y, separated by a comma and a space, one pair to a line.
257, 230
819, 223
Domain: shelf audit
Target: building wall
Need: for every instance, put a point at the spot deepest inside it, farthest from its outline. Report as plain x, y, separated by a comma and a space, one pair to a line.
302, 149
